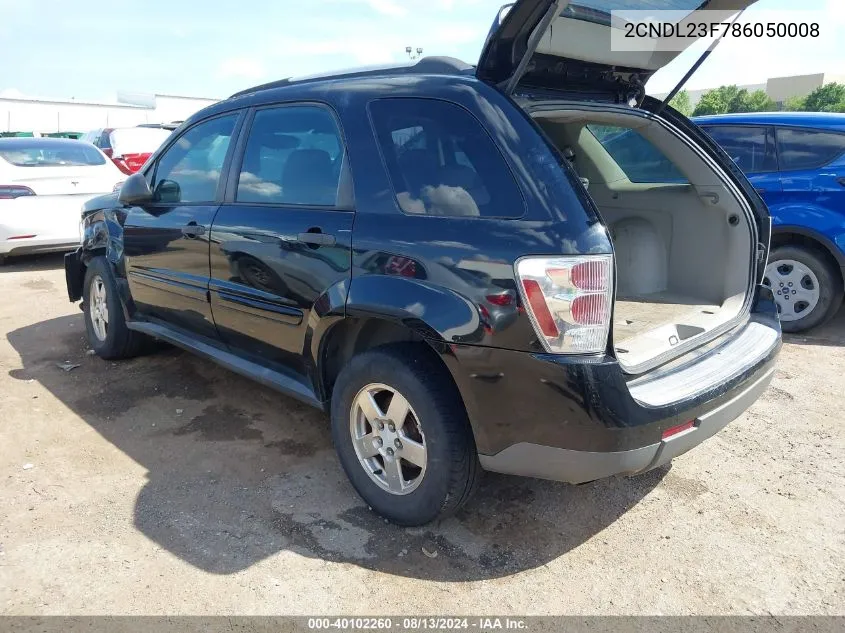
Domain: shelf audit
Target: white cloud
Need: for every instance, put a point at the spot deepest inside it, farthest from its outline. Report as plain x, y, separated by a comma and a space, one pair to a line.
241, 67
387, 7
11, 93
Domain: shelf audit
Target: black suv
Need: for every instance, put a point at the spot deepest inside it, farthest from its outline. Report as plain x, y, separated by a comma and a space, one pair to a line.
468, 267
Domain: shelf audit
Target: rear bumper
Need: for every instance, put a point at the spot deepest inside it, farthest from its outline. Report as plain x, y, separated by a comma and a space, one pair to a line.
547, 462
28, 246
576, 419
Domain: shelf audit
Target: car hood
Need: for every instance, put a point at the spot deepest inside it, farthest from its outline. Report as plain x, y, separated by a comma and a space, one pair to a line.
98, 203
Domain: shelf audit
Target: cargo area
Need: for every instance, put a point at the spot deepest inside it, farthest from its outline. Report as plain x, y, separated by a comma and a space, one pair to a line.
683, 239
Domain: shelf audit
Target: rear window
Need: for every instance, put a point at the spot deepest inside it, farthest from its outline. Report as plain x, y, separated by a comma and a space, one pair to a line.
808, 149
47, 154
137, 140
442, 162
641, 161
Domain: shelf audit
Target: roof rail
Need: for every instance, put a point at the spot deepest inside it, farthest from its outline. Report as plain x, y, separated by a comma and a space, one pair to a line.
426, 65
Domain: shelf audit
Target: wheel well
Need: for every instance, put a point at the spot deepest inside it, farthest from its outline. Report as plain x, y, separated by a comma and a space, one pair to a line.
821, 249
354, 336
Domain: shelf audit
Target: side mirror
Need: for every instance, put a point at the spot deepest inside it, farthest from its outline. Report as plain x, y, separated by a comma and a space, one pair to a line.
135, 191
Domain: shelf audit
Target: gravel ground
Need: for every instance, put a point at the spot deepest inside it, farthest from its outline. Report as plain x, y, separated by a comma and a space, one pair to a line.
166, 485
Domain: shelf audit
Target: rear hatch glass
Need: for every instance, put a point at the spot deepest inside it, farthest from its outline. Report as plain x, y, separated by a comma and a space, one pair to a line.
48, 154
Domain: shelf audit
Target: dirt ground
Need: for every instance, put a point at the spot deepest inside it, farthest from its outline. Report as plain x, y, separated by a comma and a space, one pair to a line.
166, 485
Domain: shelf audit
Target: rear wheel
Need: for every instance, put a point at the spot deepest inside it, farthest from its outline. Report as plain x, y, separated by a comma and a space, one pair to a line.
105, 324
807, 288
401, 432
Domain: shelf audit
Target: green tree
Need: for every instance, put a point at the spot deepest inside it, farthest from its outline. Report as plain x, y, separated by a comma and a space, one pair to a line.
795, 104
723, 100
759, 101
827, 98
681, 102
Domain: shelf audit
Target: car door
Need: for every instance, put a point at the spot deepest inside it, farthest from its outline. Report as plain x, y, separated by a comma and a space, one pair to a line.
812, 171
166, 240
281, 241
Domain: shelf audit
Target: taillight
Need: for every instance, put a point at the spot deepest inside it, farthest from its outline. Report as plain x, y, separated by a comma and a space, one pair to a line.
569, 300
8, 192
500, 299
121, 165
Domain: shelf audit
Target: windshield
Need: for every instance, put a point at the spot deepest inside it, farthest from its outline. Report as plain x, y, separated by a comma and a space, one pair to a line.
40, 153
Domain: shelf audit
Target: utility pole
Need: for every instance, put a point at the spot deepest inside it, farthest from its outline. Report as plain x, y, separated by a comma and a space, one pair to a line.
411, 50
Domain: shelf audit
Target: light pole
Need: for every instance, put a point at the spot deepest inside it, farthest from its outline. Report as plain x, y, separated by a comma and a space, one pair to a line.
411, 52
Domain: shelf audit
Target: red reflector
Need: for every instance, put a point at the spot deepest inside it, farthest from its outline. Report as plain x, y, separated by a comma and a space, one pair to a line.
503, 299
590, 275
21, 237
686, 426
589, 309
538, 306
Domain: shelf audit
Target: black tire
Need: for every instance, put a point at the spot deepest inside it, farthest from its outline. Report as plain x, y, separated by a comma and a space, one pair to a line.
830, 286
120, 341
452, 469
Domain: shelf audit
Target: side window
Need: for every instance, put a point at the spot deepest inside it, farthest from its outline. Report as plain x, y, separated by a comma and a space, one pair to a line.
293, 155
808, 149
442, 162
190, 168
641, 161
750, 147
104, 140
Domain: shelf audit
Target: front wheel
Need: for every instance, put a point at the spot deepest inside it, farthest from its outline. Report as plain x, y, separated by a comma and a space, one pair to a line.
105, 323
402, 436
807, 288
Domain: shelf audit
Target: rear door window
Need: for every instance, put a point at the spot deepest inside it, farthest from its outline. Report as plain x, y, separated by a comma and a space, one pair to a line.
752, 148
641, 161
808, 149
293, 156
442, 162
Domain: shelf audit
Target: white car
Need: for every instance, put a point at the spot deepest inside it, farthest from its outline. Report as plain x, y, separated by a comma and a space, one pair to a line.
43, 184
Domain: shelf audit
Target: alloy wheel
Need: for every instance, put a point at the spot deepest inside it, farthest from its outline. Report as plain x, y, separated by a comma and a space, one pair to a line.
387, 438
99, 309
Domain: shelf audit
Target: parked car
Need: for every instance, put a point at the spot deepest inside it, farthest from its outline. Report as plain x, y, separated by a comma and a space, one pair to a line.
638, 332
796, 160
43, 184
128, 147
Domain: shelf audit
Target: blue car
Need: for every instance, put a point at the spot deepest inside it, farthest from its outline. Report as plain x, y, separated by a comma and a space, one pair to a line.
796, 160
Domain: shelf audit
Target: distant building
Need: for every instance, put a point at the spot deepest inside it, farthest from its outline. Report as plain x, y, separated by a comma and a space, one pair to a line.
780, 89
26, 114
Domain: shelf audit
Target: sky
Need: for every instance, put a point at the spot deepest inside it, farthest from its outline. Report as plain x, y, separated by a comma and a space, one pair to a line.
91, 49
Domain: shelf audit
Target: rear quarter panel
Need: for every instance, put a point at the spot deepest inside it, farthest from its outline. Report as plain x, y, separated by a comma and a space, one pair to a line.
435, 299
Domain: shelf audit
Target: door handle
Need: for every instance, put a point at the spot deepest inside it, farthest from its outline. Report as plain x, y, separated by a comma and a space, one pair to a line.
316, 239
841, 181
192, 229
